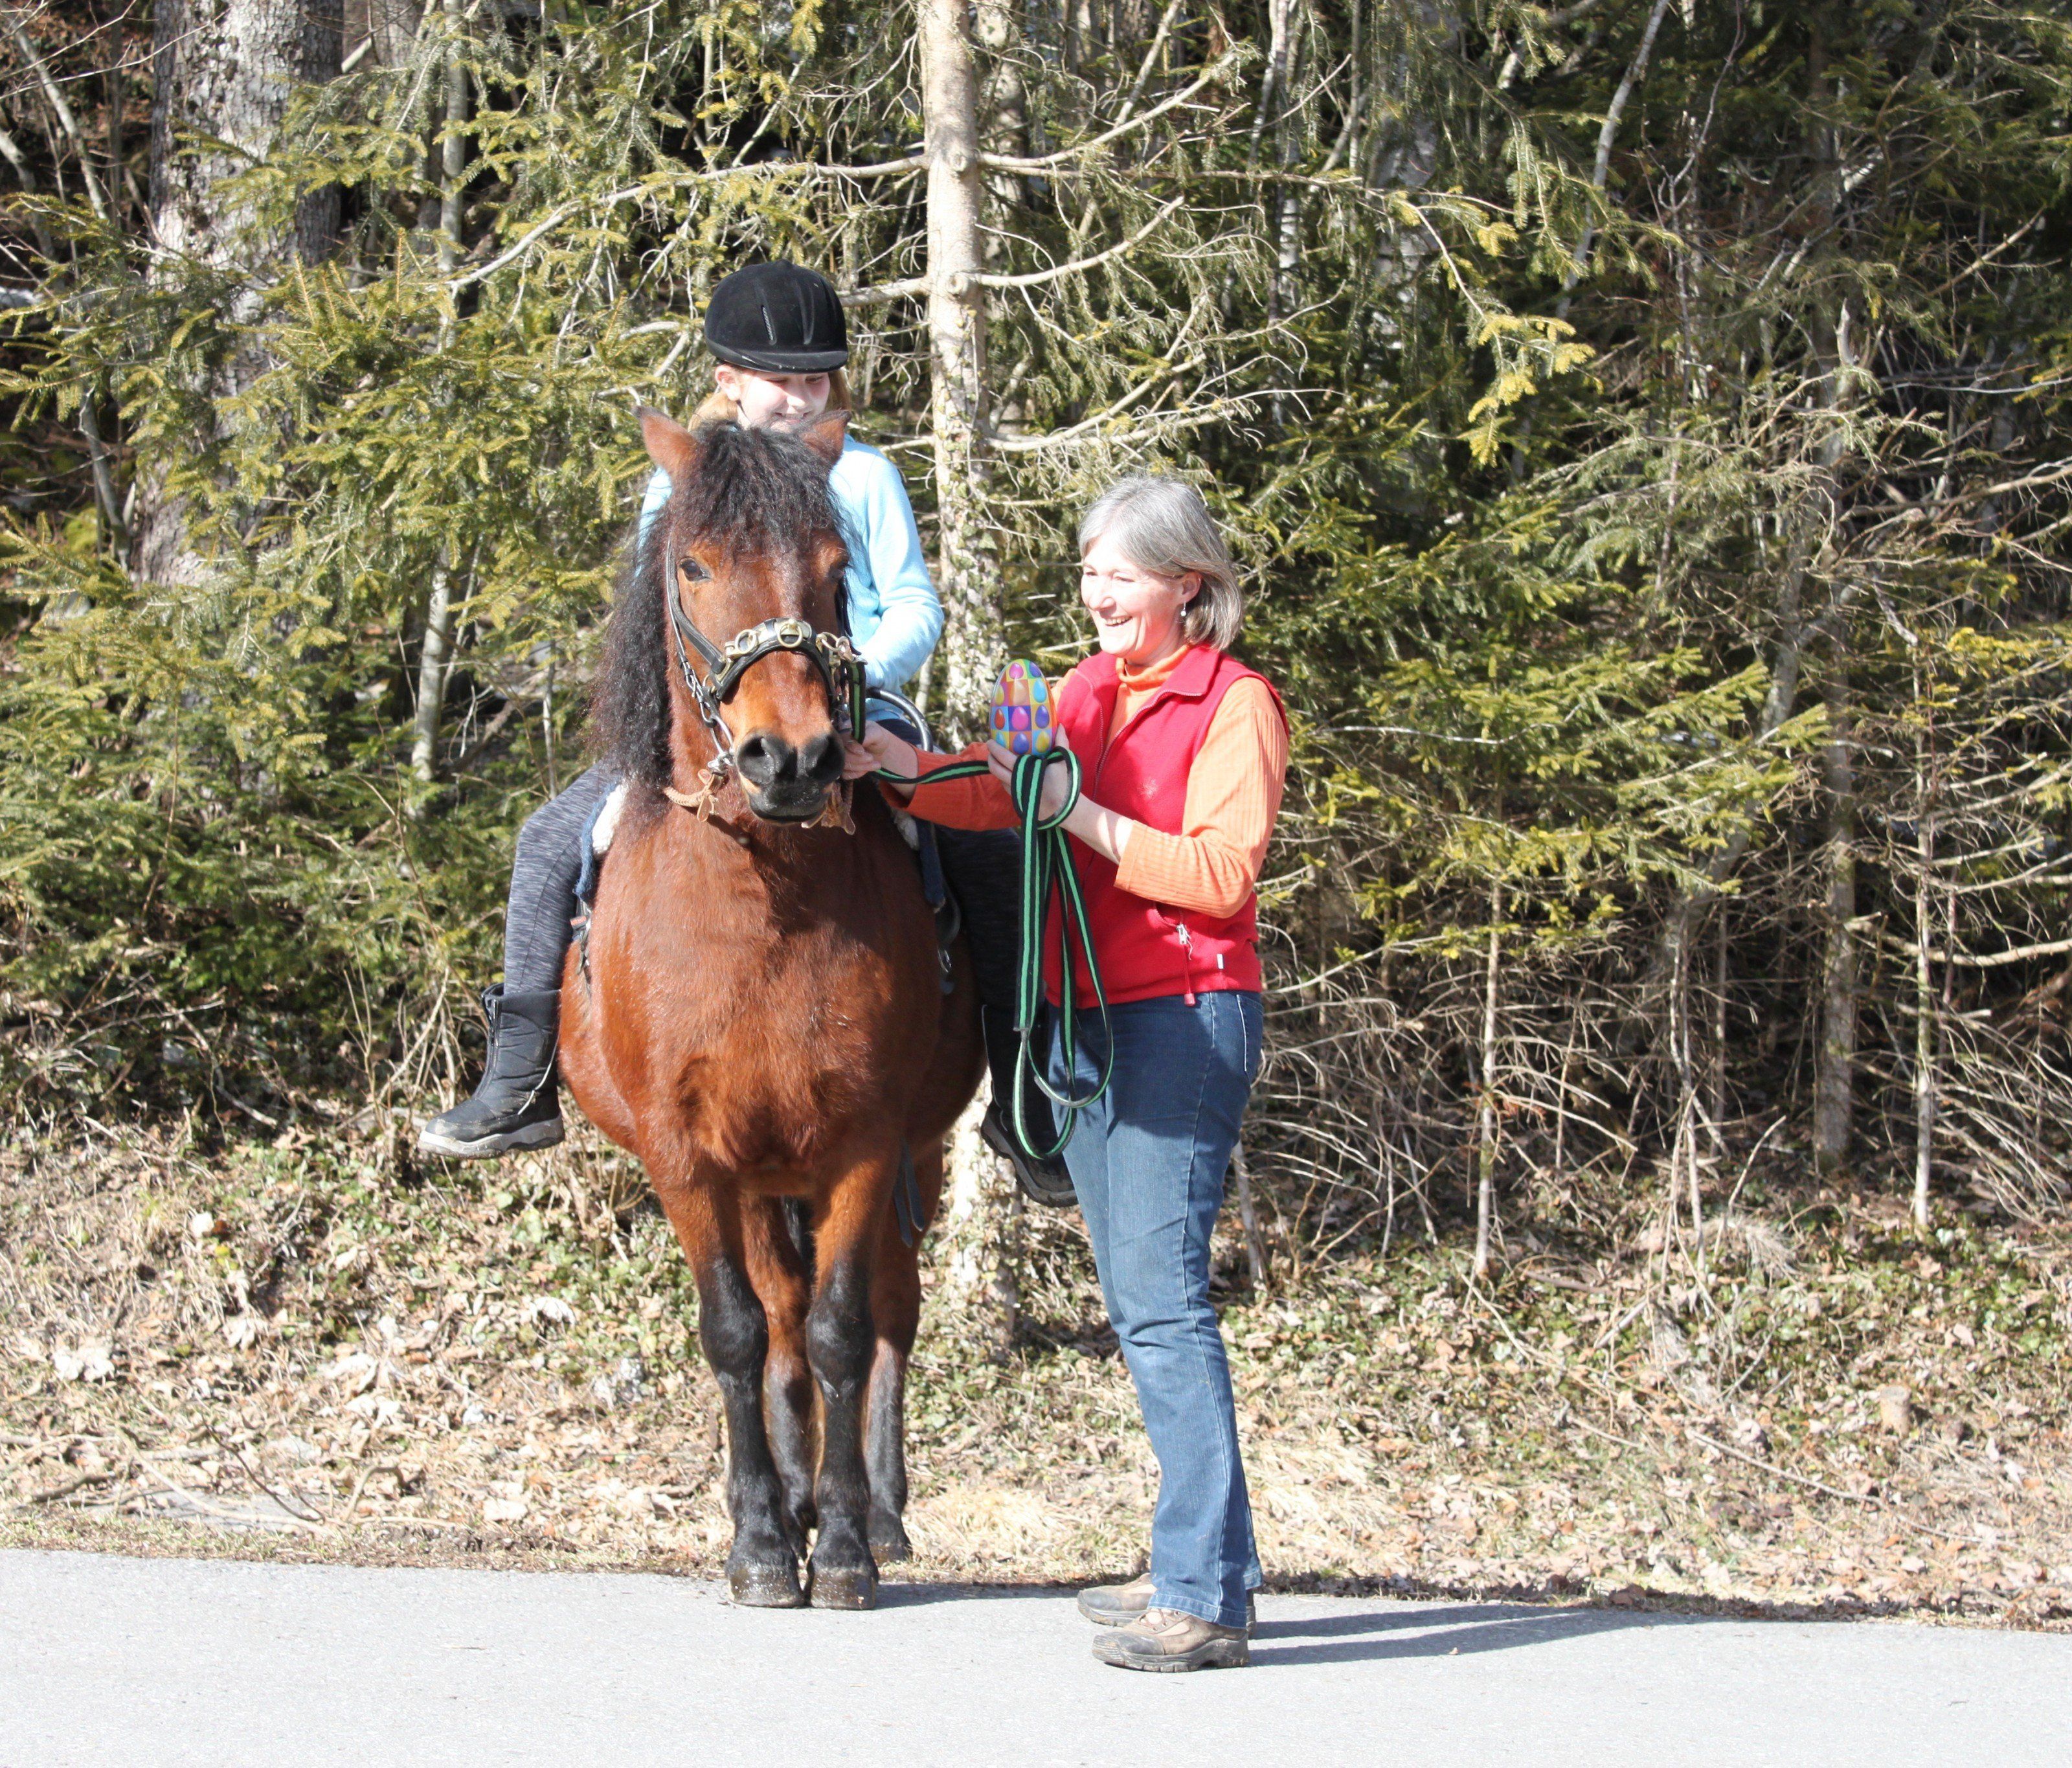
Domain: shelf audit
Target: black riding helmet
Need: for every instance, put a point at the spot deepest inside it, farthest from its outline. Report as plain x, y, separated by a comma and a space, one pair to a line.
778, 319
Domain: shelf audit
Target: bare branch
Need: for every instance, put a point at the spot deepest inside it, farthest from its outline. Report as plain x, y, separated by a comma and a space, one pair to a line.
1001, 163
1056, 270
28, 51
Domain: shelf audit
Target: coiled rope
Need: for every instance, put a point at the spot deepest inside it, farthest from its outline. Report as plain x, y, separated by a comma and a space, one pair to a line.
1047, 873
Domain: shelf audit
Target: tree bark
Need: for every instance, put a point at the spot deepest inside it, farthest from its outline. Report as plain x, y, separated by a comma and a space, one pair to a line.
1486, 1132
223, 72
1926, 1026
1834, 1081
967, 577
980, 1237
982, 1226
453, 149
433, 662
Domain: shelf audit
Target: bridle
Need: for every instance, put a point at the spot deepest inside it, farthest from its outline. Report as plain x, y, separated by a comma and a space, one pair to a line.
831, 653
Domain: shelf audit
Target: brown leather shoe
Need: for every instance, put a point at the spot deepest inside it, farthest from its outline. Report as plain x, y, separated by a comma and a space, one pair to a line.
1167, 1639
1117, 1604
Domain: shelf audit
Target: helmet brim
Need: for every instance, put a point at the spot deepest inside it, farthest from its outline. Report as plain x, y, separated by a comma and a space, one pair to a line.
781, 362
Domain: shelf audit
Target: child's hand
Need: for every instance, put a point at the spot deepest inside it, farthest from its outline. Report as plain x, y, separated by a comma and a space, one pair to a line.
880, 748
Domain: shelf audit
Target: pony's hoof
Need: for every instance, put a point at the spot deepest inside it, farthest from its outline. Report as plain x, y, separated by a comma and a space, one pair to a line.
888, 1544
766, 1587
845, 1587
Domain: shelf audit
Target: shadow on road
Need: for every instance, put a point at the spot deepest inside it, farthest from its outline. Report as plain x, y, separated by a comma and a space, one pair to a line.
927, 1595
1424, 1631
1439, 1632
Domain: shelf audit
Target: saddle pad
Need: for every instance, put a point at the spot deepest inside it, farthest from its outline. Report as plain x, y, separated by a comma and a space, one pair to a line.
597, 841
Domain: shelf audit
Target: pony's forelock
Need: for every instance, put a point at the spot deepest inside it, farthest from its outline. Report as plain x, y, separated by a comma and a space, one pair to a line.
753, 491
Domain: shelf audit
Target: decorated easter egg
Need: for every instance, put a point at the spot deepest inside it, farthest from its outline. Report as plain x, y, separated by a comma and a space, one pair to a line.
1024, 716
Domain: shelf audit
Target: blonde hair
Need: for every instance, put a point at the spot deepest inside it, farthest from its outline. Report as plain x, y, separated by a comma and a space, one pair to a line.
717, 408
1162, 526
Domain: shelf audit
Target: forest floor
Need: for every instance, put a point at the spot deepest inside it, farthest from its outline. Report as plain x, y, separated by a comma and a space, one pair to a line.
305, 1349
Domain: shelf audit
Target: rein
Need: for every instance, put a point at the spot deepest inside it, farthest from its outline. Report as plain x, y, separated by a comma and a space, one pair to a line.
1047, 872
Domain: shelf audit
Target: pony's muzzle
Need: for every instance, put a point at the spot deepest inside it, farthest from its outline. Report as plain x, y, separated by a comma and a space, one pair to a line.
787, 784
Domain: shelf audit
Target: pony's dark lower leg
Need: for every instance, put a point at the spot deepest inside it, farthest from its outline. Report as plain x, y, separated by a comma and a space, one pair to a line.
840, 1340
779, 1267
763, 1570
895, 1306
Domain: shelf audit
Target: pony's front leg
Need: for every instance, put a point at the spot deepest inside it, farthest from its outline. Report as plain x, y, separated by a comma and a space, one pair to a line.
841, 1338
777, 1266
763, 1570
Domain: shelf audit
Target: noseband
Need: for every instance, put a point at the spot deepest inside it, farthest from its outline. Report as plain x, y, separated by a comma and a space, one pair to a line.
829, 653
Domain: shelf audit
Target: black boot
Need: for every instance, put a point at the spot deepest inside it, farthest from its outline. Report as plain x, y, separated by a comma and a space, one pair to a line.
517, 1104
1041, 1180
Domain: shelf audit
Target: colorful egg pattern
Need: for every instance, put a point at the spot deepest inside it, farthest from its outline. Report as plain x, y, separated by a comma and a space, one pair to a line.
1024, 720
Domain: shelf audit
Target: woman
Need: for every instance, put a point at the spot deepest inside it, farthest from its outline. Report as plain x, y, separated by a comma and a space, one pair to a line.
781, 341
1182, 750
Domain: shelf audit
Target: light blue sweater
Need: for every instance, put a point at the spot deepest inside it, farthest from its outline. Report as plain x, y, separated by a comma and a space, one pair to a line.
894, 615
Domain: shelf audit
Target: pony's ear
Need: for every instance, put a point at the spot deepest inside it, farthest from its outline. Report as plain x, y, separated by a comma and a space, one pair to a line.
827, 435
671, 446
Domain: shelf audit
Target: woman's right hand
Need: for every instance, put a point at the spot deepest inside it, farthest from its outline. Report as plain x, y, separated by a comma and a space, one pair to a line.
879, 749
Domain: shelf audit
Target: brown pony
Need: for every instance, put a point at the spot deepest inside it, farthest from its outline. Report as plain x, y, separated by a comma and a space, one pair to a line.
759, 1011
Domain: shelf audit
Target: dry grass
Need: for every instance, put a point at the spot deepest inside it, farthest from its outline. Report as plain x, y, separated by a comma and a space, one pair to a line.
380, 1365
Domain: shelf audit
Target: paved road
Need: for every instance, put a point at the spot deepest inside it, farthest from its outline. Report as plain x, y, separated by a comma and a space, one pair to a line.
162, 1662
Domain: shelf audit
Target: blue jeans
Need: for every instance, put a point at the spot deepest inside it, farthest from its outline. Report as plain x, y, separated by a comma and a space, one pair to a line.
1147, 1163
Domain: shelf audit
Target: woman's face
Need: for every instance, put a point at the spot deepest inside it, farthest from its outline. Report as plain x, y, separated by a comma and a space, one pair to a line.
773, 401
1137, 613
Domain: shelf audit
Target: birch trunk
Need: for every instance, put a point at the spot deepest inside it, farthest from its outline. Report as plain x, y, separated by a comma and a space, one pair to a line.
965, 573
981, 1226
436, 658
432, 662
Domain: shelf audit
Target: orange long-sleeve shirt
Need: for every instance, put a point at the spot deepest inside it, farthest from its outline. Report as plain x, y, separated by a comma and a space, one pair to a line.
1212, 864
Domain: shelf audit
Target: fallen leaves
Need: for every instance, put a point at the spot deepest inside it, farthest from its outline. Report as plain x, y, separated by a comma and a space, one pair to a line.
87, 1362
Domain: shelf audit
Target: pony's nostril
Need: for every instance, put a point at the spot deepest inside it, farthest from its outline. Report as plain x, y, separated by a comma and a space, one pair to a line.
820, 760
764, 761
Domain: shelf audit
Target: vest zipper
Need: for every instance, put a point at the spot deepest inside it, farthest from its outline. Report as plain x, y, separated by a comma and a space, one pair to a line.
1186, 960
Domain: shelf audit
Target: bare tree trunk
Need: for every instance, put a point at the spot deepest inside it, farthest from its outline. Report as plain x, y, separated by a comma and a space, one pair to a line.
1924, 1022
223, 72
981, 1234
436, 658
432, 662
453, 152
1247, 1215
966, 575
379, 33
1834, 1081
983, 1228
1792, 628
1486, 1141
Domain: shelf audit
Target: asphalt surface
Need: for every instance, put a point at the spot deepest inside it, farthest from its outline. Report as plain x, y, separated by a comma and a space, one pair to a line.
150, 1662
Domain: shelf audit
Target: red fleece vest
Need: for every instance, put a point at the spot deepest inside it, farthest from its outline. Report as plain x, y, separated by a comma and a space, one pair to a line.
1147, 949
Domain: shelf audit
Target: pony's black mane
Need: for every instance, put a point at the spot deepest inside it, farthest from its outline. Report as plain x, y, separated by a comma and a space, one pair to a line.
754, 490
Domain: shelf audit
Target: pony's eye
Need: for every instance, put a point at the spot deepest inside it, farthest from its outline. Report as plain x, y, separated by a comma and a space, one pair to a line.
693, 572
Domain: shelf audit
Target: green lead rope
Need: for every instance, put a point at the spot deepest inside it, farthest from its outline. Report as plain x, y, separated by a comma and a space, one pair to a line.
1047, 870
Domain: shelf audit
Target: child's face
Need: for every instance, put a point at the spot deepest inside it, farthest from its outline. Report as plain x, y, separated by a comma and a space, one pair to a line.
773, 401
1137, 613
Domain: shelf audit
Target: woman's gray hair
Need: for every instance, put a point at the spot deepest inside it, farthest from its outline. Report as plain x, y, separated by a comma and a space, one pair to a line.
1161, 524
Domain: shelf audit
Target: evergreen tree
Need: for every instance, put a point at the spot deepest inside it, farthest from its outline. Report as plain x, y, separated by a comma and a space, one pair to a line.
1642, 422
